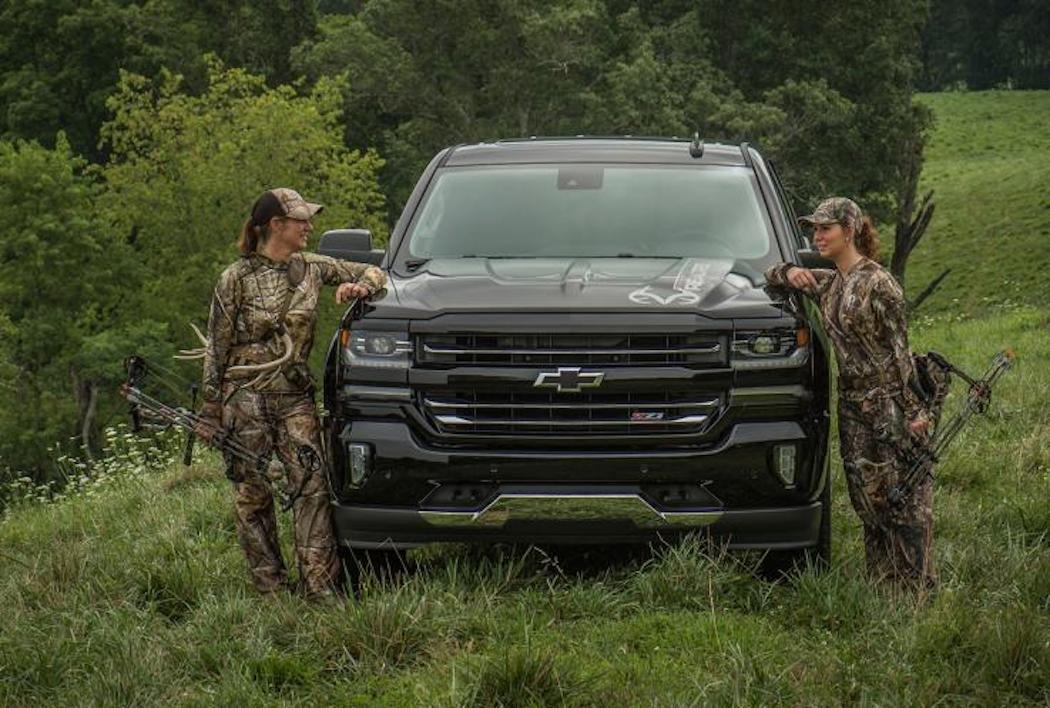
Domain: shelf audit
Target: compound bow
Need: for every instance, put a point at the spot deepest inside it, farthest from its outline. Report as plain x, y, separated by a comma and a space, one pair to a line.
978, 398
144, 405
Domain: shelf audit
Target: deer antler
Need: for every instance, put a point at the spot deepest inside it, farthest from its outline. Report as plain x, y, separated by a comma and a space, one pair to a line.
286, 346
262, 370
198, 353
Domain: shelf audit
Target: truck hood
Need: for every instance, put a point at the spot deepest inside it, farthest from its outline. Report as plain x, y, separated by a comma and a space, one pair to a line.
710, 287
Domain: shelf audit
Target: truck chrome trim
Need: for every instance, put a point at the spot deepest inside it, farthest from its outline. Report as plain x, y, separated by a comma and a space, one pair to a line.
769, 395
572, 507
569, 379
447, 404
460, 420
376, 393
438, 349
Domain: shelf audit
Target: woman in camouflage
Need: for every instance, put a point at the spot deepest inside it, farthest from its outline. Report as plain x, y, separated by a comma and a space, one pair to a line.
258, 388
880, 415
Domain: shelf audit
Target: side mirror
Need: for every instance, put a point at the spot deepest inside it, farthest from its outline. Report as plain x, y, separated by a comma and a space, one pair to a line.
350, 245
811, 258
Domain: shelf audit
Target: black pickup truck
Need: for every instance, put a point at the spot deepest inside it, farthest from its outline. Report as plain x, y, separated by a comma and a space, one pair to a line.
575, 347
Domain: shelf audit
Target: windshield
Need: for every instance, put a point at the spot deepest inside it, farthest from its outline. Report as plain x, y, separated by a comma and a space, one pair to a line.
577, 210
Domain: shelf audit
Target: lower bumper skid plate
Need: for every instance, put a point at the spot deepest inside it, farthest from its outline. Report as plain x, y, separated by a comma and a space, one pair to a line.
524, 506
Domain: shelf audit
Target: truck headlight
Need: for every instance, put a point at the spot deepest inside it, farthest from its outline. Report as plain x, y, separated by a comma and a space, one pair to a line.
376, 349
770, 349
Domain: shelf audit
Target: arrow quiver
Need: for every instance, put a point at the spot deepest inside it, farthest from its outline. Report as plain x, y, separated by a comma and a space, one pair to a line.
978, 398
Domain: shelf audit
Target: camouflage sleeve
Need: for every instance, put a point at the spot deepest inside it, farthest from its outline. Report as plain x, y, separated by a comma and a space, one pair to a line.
776, 275
891, 314
335, 271
777, 280
221, 322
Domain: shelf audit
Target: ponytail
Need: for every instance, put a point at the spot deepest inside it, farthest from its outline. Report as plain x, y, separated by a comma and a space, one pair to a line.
867, 239
251, 236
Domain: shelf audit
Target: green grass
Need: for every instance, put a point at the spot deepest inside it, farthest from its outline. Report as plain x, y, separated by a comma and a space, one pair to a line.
988, 162
137, 595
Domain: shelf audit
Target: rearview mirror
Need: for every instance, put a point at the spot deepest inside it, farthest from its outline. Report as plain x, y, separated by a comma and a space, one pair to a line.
350, 245
811, 258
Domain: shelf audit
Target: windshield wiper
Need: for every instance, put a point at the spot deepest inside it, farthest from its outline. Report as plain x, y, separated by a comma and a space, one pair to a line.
413, 264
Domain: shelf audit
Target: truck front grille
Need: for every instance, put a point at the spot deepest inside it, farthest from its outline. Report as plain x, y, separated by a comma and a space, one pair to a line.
533, 413
572, 349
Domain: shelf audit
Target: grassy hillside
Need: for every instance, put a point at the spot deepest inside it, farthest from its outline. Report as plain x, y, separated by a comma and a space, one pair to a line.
134, 593
988, 160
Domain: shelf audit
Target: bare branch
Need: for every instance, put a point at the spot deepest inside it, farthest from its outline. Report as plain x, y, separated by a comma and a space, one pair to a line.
928, 290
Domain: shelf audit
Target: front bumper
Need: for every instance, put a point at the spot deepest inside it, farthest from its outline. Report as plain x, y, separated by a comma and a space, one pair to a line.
726, 490
402, 528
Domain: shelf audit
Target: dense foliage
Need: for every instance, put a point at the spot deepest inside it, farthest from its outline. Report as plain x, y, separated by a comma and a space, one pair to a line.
425, 74
983, 44
102, 261
61, 59
57, 299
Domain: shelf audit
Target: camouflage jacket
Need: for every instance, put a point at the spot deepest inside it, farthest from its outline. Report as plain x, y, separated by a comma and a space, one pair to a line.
864, 314
246, 305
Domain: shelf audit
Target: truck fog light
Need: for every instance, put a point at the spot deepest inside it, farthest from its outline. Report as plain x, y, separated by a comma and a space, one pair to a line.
784, 463
360, 463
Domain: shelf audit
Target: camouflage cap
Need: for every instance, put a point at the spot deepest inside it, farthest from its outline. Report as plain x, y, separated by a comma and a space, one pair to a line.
294, 205
282, 202
835, 210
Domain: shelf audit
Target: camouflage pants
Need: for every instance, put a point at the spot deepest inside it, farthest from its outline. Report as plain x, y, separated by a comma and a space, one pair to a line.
897, 537
286, 424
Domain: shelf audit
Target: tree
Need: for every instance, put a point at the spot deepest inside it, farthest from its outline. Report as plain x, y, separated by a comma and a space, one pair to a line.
423, 75
983, 44
60, 60
834, 114
56, 291
184, 170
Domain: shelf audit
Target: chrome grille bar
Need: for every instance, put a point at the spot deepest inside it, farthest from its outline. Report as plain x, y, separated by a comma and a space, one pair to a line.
448, 405
696, 349
459, 420
529, 413
438, 349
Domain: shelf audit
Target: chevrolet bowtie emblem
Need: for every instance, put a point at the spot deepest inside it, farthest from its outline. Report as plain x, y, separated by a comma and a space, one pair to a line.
569, 379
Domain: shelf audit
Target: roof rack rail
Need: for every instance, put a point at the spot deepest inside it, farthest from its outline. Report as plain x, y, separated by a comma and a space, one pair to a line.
696, 148
745, 149
448, 154
652, 138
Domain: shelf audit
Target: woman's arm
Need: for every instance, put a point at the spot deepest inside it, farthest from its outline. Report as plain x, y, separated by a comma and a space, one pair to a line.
337, 272
793, 277
221, 323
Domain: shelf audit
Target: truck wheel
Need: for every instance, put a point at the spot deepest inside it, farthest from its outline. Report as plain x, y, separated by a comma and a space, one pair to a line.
777, 564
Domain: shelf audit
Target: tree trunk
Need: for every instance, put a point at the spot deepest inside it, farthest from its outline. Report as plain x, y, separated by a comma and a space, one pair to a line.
928, 290
87, 429
85, 392
911, 222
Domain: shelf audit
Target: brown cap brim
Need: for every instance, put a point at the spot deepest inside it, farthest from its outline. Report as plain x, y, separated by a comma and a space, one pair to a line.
305, 211
813, 220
